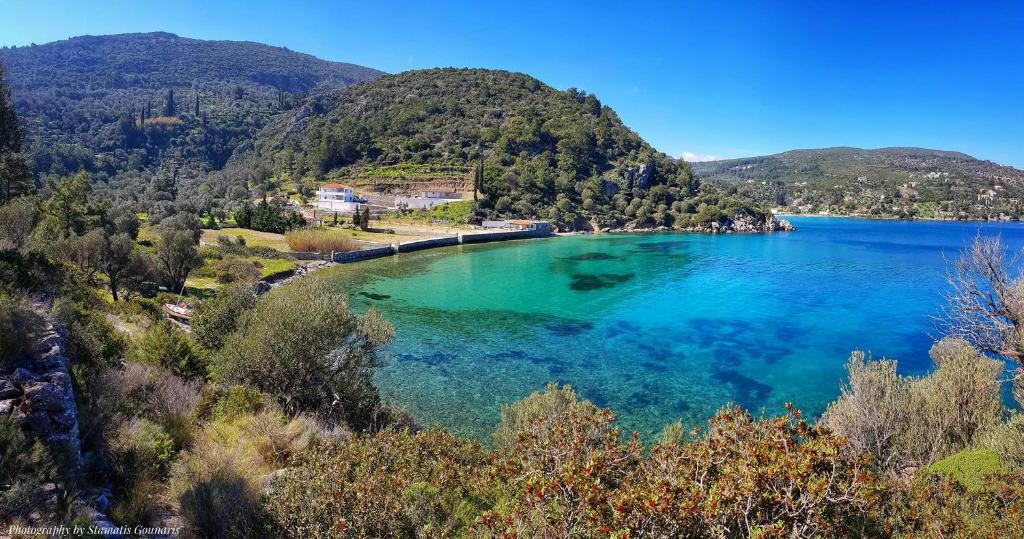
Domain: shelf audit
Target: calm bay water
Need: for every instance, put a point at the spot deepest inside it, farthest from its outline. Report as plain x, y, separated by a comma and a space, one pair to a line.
657, 327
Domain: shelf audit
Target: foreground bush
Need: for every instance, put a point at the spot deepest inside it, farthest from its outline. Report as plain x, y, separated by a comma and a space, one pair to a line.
904, 422
320, 240
217, 485
302, 345
392, 484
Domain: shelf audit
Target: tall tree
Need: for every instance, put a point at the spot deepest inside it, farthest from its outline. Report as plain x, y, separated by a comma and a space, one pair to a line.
15, 175
169, 107
177, 249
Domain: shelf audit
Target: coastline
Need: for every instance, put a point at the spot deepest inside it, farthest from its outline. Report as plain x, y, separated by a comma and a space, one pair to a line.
908, 219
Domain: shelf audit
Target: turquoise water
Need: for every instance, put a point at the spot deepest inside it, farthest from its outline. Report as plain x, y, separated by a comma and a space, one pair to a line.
658, 327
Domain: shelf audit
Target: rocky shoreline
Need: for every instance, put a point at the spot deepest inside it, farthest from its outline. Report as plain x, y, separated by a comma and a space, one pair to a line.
740, 223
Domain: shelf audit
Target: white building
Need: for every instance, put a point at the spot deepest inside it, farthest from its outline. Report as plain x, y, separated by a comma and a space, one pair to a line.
336, 197
428, 200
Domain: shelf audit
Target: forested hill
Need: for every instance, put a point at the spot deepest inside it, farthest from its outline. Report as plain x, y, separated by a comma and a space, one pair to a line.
141, 106
887, 182
547, 153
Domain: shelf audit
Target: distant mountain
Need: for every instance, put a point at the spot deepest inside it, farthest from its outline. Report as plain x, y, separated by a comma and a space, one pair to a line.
100, 103
887, 182
547, 153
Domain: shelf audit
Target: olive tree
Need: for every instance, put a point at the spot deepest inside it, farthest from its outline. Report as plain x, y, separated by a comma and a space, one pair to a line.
177, 249
301, 344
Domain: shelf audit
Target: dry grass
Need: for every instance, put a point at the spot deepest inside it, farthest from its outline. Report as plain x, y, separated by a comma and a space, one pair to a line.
321, 240
252, 238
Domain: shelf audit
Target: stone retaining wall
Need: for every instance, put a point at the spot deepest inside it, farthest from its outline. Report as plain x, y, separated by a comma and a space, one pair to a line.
39, 398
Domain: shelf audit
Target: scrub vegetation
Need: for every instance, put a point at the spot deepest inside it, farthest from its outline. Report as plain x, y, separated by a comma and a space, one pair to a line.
264, 420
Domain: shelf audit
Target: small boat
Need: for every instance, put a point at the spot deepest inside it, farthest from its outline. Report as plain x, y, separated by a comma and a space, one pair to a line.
180, 312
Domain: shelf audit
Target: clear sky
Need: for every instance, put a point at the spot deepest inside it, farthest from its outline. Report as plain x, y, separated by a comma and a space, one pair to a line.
711, 78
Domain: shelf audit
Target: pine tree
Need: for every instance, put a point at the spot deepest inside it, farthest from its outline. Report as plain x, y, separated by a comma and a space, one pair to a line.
169, 108
15, 174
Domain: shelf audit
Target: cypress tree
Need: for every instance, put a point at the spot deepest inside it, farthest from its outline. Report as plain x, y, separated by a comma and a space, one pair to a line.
356, 218
197, 104
364, 221
478, 178
169, 108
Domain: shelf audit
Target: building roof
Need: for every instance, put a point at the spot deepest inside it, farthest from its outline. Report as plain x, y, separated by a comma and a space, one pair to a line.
335, 186
522, 222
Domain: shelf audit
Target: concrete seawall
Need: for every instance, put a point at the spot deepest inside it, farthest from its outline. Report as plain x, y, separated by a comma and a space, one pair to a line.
430, 243
482, 237
364, 254
416, 245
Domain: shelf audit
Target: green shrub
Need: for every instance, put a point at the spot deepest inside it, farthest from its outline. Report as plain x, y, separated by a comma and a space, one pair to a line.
546, 406
968, 467
140, 453
18, 324
302, 345
239, 400
167, 346
218, 317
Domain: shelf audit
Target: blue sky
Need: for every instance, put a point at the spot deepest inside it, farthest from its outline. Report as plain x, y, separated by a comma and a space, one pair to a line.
716, 78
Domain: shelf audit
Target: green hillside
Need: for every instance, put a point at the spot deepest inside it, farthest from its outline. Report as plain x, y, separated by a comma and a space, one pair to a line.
144, 113
558, 155
887, 182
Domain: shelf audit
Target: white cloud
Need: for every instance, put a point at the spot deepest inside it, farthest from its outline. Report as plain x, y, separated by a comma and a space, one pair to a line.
698, 157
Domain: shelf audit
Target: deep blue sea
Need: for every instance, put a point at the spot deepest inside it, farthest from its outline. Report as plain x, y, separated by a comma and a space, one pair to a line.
658, 327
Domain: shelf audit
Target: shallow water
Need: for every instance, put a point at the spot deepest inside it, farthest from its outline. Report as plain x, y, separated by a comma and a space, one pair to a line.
658, 327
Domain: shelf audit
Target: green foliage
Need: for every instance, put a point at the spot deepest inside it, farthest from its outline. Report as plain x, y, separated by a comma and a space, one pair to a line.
176, 250
18, 326
17, 219
303, 346
15, 175
218, 317
237, 401
968, 467
549, 405
167, 346
935, 505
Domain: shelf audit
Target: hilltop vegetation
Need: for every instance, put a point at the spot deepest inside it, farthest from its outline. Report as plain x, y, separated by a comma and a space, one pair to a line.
888, 182
542, 152
150, 116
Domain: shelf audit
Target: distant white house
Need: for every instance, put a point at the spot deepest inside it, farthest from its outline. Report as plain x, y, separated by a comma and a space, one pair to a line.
336, 197
428, 199
519, 224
